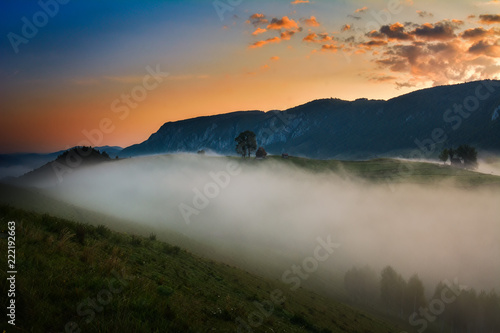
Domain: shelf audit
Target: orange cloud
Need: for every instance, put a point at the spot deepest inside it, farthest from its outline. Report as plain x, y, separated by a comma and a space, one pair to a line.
317, 38
330, 48
345, 27
312, 22
296, 2
286, 35
261, 43
452, 61
283, 23
361, 10
275, 58
259, 31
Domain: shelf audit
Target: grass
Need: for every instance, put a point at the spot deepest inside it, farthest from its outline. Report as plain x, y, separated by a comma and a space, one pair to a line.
392, 171
163, 288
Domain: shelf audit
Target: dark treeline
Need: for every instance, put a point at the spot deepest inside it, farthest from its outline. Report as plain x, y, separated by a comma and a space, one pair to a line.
452, 308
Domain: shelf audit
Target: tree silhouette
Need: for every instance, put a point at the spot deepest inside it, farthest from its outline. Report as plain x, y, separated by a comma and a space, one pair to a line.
361, 284
469, 155
414, 294
444, 155
245, 143
261, 153
392, 288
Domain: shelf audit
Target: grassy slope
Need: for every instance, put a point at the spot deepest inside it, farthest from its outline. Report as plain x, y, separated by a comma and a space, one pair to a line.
395, 171
61, 263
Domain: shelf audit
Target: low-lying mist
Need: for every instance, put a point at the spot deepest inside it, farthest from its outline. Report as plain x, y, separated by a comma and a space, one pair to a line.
267, 215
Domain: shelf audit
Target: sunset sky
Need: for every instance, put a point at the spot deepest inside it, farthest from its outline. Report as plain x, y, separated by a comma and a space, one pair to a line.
76, 66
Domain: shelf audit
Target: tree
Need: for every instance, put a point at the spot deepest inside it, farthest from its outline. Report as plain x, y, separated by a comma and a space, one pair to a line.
414, 294
261, 153
392, 288
245, 143
361, 284
451, 152
444, 155
469, 155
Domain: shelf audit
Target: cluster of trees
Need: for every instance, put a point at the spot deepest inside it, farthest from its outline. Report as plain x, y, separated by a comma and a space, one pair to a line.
450, 307
84, 152
466, 156
246, 144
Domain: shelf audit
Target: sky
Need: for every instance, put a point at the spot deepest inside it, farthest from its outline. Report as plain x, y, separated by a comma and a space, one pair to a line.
76, 72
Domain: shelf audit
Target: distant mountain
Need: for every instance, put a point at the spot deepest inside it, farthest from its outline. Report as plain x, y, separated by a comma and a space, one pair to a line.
53, 172
333, 128
14, 165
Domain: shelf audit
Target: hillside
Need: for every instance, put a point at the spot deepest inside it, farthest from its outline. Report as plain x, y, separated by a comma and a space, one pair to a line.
333, 128
67, 162
142, 285
15, 165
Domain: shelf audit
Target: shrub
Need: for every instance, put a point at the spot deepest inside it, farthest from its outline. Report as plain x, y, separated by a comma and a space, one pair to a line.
103, 230
135, 240
168, 249
81, 231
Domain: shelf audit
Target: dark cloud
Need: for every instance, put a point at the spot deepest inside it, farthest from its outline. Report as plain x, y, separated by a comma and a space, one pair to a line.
443, 30
395, 31
478, 33
354, 17
374, 43
375, 35
258, 19
485, 48
400, 85
395, 64
489, 19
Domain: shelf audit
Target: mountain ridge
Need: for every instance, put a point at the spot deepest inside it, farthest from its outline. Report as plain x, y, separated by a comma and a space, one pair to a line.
335, 128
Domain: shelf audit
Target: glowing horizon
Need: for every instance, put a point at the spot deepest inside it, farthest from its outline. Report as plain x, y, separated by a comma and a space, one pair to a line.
68, 76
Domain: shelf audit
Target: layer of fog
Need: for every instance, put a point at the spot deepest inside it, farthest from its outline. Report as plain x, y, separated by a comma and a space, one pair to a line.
270, 215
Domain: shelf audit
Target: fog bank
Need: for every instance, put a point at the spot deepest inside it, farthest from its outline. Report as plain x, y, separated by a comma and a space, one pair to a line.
265, 215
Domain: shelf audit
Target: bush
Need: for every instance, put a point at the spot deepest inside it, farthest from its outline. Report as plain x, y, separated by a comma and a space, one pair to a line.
168, 249
81, 231
103, 230
135, 240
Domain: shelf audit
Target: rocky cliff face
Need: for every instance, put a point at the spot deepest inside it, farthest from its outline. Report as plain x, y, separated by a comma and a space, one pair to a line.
425, 121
